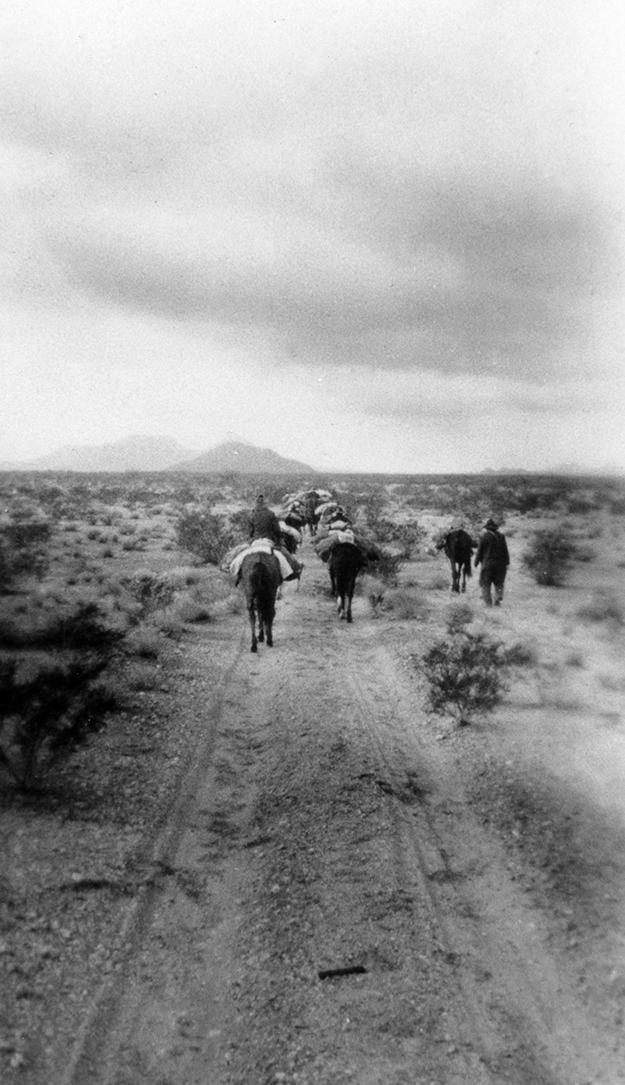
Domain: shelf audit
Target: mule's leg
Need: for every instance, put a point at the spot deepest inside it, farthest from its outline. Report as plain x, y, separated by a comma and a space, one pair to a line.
271, 613
455, 578
351, 587
340, 605
252, 616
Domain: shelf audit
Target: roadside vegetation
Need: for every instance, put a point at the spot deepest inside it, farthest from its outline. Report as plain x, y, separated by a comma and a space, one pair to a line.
99, 574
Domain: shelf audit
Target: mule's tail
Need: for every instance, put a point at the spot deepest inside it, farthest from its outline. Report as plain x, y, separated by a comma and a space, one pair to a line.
261, 595
257, 588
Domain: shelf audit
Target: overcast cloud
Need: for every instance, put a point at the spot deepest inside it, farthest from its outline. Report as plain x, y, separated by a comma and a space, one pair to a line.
374, 236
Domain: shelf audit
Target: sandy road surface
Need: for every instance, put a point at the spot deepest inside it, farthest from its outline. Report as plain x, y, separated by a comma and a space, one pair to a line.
330, 907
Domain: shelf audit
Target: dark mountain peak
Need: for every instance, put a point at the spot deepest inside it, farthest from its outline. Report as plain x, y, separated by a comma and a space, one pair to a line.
244, 458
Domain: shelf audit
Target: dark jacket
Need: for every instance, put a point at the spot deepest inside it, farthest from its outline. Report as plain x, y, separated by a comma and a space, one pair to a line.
492, 549
264, 524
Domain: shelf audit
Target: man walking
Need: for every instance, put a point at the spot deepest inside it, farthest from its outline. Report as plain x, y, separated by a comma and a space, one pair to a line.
492, 554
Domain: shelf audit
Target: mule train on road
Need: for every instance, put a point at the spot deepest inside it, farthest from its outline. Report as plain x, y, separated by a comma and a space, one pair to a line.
263, 563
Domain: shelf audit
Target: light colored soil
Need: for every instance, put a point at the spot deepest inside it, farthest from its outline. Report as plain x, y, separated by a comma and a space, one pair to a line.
282, 870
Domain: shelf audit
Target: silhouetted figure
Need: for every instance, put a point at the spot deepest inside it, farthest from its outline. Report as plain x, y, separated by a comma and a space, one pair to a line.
492, 555
264, 523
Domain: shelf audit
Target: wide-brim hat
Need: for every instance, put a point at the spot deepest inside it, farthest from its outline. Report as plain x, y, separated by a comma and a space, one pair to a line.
490, 524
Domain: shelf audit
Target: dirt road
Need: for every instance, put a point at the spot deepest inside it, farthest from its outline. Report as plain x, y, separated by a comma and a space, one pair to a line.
328, 902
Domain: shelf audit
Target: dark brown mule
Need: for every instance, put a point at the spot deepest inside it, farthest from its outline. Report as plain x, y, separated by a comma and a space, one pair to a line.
260, 577
458, 546
344, 564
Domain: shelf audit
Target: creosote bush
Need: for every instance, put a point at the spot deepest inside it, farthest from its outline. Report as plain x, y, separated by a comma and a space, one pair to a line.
23, 550
81, 626
465, 674
406, 538
387, 567
150, 590
204, 534
549, 555
47, 714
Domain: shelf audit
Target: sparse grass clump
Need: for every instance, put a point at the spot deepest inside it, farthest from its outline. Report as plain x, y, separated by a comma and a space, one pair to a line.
402, 603
144, 642
438, 582
521, 654
458, 616
602, 608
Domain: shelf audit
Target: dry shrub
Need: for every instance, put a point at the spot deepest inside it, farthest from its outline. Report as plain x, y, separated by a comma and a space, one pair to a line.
232, 603
521, 654
141, 676
23, 549
145, 642
437, 582
373, 589
47, 712
549, 555
82, 625
190, 610
458, 616
151, 591
169, 623
602, 608
466, 675
205, 534
403, 603
185, 576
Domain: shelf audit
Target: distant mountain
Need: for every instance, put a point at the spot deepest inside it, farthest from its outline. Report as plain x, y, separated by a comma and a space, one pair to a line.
245, 459
572, 469
505, 471
608, 469
129, 454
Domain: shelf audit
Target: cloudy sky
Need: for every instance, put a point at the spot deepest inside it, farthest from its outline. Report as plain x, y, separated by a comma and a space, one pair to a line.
376, 235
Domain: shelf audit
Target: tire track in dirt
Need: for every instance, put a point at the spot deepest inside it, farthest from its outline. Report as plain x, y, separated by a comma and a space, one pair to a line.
385, 938
328, 910
514, 1005
95, 1053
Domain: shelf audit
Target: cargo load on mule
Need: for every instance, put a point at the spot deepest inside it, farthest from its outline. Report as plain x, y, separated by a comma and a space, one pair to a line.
290, 567
291, 536
346, 535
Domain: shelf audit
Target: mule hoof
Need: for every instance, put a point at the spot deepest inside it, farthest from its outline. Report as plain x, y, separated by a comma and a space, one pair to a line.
254, 648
